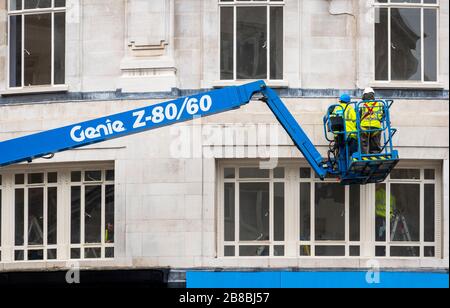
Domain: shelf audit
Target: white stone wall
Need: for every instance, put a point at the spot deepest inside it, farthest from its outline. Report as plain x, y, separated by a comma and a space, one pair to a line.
166, 205
166, 201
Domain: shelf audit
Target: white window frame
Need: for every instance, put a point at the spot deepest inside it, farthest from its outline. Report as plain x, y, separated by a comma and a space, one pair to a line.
82, 246
389, 5
253, 3
26, 247
312, 243
438, 210
237, 181
52, 10
292, 242
63, 213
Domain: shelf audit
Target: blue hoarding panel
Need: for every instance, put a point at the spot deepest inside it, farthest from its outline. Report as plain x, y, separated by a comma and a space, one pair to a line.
316, 280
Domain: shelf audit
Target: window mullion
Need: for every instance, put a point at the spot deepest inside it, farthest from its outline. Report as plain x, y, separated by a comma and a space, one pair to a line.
23, 52
389, 46
234, 43
52, 64
268, 43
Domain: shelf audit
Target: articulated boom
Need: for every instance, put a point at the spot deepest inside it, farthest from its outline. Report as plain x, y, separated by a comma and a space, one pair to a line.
28, 148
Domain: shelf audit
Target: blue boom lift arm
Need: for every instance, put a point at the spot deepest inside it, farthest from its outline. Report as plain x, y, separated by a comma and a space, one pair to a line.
28, 148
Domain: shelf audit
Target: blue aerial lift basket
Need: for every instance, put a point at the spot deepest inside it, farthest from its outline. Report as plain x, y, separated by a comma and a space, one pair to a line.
362, 167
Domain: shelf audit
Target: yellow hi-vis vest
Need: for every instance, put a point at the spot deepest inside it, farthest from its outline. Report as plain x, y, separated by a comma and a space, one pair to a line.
371, 114
349, 118
380, 204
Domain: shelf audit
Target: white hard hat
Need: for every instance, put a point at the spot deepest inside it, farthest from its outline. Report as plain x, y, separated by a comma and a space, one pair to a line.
368, 90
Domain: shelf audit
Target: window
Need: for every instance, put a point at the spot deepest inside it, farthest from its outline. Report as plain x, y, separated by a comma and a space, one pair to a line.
57, 214
251, 39
35, 216
37, 34
290, 212
92, 214
406, 40
405, 214
254, 212
329, 217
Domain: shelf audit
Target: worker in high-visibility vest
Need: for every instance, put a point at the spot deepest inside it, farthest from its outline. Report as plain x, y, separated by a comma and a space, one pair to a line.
380, 212
347, 112
372, 114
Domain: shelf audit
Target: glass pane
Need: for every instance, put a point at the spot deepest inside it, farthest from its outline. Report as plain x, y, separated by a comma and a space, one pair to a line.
52, 209
330, 251
19, 203
226, 43
37, 4
305, 250
278, 251
18, 255
38, 49
254, 173
75, 253
305, 173
276, 43
330, 212
93, 176
229, 214
430, 44
109, 252
430, 174
35, 216
381, 44
15, 5
229, 173
60, 3
75, 176
251, 43
34, 255
229, 251
254, 211
278, 173
405, 203
75, 216
35, 178
52, 254
92, 253
429, 213
430, 1
354, 251
405, 251
253, 251
52, 177
93, 214
405, 174
305, 211
405, 1
429, 252
15, 51
406, 42
110, 175
60, 48
380, 251
354, 213
278, 208
19, 179
380, 213
109, 214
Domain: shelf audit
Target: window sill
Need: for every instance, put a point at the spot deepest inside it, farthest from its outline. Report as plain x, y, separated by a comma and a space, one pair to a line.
407, 85
270, 83
35, 90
